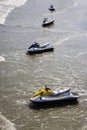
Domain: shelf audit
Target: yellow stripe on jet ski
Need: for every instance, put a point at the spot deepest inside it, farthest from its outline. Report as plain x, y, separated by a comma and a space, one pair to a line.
42, 92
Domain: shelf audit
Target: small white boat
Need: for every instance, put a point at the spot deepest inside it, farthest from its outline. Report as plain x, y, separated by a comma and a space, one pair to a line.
47, 21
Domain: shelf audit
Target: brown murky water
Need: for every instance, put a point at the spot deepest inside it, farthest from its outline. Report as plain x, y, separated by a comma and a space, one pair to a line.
66, 67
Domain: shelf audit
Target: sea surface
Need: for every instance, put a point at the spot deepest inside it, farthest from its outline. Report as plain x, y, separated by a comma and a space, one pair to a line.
21, 75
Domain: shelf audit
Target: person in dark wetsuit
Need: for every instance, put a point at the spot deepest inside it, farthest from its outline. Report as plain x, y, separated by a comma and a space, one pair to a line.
46, 88
45, 19
34, 45
51, 7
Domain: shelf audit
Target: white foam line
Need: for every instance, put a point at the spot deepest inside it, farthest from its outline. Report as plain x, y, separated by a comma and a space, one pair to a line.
5, 124
48, 29
68, 38
82, 53
4, 14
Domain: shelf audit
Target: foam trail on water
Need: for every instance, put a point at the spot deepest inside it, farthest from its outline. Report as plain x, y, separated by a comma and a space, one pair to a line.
69, 38
82, 53
6, 6
5, 124
2, 58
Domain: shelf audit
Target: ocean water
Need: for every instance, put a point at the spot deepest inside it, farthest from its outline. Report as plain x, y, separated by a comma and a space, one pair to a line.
22, 75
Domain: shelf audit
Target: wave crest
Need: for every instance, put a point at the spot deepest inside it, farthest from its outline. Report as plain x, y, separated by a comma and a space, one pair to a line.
5, 124
6, 6
2, 58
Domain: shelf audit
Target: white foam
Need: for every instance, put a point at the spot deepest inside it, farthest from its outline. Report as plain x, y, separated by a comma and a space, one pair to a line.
69, 38
2, 58
5, 124
6, 6
21, 102
14, 3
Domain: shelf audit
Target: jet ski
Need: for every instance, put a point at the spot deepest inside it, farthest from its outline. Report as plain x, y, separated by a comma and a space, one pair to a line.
47, 21
45, 96
36, 48
51, 8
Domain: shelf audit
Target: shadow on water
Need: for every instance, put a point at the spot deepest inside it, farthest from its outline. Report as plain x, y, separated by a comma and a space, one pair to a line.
48, 26
52, 105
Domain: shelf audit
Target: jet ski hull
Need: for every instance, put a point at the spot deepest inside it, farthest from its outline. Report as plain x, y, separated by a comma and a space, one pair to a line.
54, 101
48, 23
55, 98
40, 50
47, 105
51, 9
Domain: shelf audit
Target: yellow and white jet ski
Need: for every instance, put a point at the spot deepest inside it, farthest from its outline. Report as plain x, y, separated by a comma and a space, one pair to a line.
48, 96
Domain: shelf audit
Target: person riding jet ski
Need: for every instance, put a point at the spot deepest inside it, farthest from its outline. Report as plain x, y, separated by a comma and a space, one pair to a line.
34, 45
46, 88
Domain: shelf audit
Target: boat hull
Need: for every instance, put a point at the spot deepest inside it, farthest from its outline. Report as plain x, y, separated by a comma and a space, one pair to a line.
51, 9
61, 100
48, 23
38, 51
47, 105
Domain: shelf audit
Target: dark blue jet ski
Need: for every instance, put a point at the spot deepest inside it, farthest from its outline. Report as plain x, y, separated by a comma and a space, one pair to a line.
47, 21
51, 8
36, 48
45, 96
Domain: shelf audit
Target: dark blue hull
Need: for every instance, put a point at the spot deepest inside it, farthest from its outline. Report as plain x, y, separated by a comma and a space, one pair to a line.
38, 51
47, 105
51, 9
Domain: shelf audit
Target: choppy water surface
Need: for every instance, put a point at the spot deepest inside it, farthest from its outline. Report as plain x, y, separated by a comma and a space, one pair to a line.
66, 67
